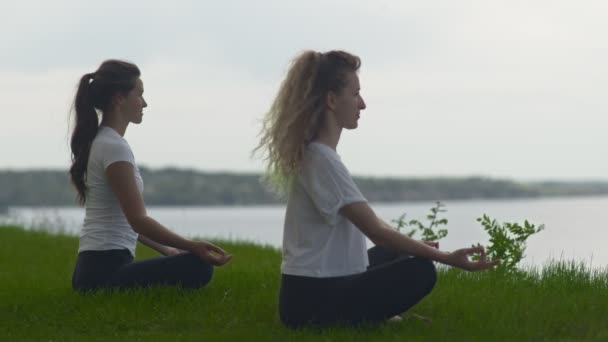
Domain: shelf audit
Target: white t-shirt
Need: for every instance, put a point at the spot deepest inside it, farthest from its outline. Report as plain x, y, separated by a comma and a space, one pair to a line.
317, 240
105, 225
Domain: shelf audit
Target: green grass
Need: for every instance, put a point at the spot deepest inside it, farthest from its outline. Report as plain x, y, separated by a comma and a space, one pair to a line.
562, 302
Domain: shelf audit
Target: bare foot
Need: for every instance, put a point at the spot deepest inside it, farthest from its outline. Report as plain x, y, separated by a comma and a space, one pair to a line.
411, 315
395, 319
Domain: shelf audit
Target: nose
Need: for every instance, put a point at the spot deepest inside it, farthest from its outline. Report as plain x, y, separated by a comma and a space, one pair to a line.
145, 103
361, 103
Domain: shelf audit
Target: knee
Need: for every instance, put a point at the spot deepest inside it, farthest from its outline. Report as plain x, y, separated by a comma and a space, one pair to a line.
200, 273
205, 273
428, 272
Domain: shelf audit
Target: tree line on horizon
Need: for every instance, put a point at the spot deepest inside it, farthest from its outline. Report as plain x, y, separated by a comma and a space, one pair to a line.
184, 187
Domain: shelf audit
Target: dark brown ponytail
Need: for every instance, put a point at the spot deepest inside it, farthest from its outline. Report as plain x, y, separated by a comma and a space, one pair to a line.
95, 92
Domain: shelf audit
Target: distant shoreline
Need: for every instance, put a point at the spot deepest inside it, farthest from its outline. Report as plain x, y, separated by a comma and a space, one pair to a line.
185, 187
5, 210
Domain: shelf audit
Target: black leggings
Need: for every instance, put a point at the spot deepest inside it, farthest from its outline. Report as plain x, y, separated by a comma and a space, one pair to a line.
391, 285
115, 269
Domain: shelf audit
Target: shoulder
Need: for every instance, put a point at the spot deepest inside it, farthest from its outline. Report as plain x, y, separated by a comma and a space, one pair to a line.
321, 158
111, 148
319, 153
110, 144
321, 165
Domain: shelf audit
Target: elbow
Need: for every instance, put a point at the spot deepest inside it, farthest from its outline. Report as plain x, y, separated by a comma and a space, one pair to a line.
137, 222
376, 236
378, 241
383, 237
373, 230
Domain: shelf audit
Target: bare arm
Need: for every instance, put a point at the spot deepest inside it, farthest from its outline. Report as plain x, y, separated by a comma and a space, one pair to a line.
122, 181
382, 234
162, 249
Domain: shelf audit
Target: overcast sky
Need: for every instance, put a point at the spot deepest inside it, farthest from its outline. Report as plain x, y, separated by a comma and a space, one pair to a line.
509, 89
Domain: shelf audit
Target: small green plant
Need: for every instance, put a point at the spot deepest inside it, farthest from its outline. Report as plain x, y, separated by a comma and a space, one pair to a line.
429, 233
507, 241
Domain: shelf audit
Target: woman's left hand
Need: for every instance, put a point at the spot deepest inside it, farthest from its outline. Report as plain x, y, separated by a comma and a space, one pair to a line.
460, 258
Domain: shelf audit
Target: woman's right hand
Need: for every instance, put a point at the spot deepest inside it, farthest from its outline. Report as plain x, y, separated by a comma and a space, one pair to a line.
210, 253
460, 258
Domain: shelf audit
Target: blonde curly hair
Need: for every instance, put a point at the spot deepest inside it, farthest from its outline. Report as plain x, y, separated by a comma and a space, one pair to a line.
298, 111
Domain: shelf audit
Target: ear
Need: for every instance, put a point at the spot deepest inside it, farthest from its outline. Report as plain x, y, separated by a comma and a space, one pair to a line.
330, 100
117, 100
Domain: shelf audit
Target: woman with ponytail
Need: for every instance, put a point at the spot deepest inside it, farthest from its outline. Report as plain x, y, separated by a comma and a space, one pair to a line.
328, 275
110, 187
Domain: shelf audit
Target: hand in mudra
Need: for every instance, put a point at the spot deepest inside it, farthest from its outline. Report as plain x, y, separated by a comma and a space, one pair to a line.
210, 253
460, 258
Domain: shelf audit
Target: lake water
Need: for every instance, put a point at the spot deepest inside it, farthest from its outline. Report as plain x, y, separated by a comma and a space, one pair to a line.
575, 228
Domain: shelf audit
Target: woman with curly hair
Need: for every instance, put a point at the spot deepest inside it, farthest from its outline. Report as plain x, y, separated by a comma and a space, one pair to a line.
328, 274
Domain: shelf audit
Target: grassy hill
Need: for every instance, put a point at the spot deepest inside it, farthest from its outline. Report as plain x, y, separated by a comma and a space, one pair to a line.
561, 302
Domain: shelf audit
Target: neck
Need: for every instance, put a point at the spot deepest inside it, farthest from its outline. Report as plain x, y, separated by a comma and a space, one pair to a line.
112, 120
330, 132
